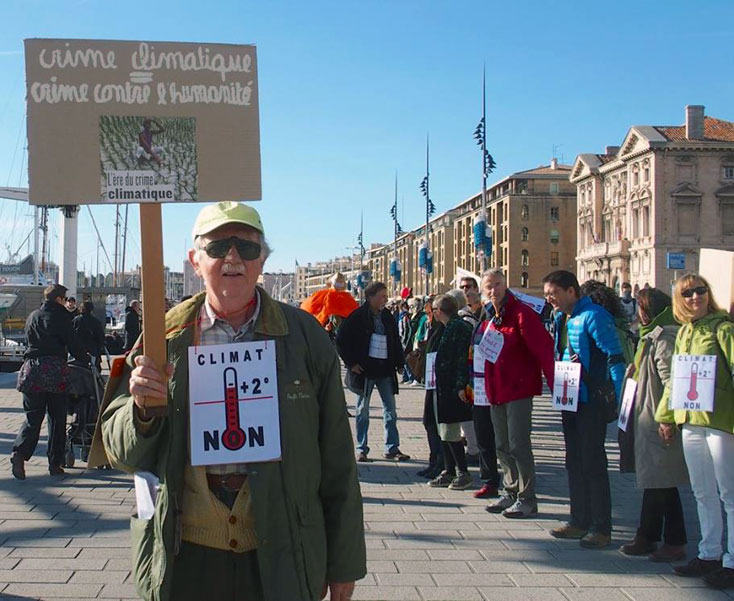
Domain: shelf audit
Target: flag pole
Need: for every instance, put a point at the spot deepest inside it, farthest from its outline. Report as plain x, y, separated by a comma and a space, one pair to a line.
428, 213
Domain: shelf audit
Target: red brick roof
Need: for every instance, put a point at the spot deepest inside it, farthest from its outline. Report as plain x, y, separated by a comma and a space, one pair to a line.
714, 130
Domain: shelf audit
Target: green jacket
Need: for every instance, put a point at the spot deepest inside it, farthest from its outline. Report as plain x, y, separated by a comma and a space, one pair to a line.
710, 335
307, 507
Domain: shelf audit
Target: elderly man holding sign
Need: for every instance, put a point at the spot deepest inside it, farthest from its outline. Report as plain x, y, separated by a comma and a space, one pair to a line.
252, 490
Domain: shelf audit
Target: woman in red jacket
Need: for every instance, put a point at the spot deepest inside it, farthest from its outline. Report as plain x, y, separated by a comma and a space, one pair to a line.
512, 377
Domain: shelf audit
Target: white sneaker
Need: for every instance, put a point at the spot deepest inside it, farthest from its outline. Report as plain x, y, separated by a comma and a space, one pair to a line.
521, 509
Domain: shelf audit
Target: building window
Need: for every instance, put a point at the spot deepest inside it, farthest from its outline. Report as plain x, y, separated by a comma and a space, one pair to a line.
687, 219
727, 219
554, 259
524, 234
727, 172
646, 174
554, 188
555, 213
525, 212
554, 236
524, 279
524, 258
645, 221
635, 223
635, 177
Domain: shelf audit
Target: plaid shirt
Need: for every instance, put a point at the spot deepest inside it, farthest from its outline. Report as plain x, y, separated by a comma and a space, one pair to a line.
215, 330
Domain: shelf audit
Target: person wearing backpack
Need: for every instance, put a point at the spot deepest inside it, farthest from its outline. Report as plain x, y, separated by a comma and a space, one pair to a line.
708, 436
585, 333
629, 305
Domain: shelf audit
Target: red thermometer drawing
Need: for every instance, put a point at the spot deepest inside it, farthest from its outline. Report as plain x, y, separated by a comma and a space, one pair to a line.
692, 392
564, 396
234, 436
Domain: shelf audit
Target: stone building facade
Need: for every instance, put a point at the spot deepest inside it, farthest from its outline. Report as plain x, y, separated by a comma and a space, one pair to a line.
665, 189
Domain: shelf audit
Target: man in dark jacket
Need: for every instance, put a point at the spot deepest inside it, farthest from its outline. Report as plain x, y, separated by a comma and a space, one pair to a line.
90, 331
132, 324
42, 380
369, 344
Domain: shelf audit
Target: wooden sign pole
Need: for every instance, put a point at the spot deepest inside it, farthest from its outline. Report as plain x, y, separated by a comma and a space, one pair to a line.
154, 309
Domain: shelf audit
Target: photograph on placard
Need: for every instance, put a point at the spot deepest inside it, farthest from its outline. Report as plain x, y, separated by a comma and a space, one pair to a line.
148, 159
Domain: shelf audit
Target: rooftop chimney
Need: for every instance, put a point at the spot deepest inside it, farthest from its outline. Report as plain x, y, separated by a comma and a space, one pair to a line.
554, 163
611, 149
694, 122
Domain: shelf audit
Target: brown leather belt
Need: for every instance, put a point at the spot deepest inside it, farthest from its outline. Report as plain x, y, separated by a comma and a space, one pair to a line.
229, 482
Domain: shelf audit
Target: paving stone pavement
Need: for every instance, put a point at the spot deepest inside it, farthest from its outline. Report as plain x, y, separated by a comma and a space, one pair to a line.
68, 537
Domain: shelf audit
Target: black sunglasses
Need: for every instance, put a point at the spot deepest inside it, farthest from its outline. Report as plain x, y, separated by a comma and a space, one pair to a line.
700, 290
246, 249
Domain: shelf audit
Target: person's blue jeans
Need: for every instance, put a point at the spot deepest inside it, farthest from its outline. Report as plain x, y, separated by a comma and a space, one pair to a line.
389, 414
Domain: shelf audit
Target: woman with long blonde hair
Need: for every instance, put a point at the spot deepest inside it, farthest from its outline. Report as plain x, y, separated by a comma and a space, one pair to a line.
708, 436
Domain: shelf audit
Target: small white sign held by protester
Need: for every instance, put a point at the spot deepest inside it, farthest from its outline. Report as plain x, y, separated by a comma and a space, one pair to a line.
491, 345
566, 383
536, 304
233, 403
694, 380
628, 402
430, 371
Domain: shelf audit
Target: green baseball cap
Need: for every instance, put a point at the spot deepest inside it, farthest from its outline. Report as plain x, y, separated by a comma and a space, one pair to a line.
223, 213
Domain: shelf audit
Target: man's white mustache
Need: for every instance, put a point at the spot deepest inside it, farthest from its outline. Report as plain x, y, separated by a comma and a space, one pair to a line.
230, 269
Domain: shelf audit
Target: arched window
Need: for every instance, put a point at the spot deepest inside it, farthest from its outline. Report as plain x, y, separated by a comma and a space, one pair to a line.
525, 258
525, 212
524, 234
524, 279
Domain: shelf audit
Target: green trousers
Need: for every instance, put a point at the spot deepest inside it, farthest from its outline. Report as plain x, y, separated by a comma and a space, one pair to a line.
201, 573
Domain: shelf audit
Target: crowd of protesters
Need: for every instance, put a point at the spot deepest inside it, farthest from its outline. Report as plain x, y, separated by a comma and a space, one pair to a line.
482, 355
626, 345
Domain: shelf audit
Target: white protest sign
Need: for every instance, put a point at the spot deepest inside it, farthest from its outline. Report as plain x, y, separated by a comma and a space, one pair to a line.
480, 392
430, 371
378, 346
628, 402
536, 304
478, 360
233, 403
566, 383
491, 345
694, 379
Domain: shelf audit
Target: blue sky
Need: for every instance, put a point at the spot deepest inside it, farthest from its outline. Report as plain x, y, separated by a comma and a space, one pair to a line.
349, 91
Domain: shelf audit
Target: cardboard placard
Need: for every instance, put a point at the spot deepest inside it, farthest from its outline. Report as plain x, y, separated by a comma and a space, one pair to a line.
141, 121
233, 403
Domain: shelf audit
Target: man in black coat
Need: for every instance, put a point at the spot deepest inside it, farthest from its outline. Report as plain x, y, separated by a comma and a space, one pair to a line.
42, 380
369, 344
132, 324
90, 332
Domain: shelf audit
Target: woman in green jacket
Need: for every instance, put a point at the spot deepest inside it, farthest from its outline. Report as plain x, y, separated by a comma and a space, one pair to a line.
708, 436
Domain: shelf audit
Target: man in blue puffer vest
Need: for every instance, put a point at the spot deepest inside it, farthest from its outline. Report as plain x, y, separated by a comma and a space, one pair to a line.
585, 332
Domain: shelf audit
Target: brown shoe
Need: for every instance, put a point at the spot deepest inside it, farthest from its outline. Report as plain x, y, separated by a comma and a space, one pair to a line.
669, 553
568, 531
638, 546
362, 458
18, 469
698, 567
595, 540
56, 470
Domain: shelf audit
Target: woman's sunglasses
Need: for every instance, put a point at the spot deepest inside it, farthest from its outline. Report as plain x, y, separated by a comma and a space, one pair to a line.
700, 290
246, 249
